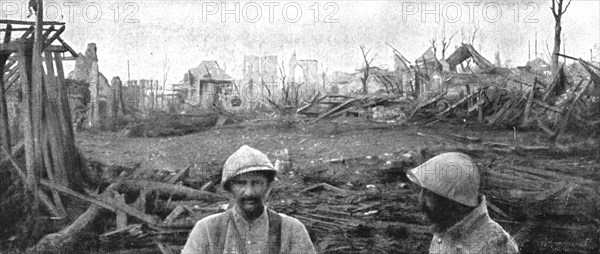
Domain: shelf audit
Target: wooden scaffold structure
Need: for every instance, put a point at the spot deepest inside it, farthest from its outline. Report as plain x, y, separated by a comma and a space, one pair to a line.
31, 57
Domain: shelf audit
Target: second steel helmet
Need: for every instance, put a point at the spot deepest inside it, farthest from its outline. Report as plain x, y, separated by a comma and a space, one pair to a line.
450, 175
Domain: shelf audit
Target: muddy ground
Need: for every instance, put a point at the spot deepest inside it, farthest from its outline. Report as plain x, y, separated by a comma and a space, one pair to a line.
349, 153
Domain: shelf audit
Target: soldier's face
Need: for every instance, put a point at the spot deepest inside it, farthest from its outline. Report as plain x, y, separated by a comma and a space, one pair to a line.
249, 191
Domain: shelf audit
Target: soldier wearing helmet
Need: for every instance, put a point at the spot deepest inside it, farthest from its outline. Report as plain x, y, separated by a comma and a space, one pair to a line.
248, 227
451, 201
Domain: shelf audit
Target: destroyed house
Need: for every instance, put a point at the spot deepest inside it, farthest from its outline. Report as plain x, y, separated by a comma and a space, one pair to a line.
428, 62
204, 84
464, 52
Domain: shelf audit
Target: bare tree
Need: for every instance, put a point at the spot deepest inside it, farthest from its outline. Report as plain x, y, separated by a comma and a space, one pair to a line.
165, 67
557, 11
366, 69
446, 42
470, 39
285, 88
433, 43
323, 76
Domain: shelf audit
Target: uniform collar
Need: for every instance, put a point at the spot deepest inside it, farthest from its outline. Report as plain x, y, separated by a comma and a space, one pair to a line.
240, 220
473, 220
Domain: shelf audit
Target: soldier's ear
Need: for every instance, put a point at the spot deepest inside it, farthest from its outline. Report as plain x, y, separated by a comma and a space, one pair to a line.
268, 192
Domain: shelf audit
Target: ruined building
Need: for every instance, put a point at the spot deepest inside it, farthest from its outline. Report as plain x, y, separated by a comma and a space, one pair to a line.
303, 71
205, 85
260, 69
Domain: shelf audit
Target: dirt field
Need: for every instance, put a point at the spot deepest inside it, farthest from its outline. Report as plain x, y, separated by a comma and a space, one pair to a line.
351, 153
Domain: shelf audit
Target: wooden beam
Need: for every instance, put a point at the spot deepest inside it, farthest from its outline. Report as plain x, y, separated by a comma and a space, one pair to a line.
456, 105
73, 53
15, 29
10, 73
19, 22
172, 189
55, 48
48, 32
8, 33
121, 216
10, 83
69, 58
103, 202
13, 77
54, 36
529, 103
550, 107
28, 32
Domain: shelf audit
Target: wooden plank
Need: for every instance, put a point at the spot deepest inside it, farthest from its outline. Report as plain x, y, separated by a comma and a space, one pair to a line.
20, 22
529, 103
327, 187
554, 175
54, 36
333, 110
47, 33
15, 29
477, 106
73, 53
55, 48
456, 105
171, 189
66, 190
162, 248
480, 106
427, 103
179, 174
174, 214
27, 33
569, 109
43, 197
492, 120
545, 128
11, 71
8, 33
103, 202
121, 219
550, 107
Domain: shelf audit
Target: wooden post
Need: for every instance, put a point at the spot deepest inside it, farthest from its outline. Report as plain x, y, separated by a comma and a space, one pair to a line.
113, 101
152, 93
37, 106
120, 102
469, 101
480, 107
162, 97
4, 124
94, 88
23, 56
529, 104
121, 216
72, 162
143, 94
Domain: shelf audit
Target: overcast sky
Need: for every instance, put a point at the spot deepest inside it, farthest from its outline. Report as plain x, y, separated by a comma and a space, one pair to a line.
187, 32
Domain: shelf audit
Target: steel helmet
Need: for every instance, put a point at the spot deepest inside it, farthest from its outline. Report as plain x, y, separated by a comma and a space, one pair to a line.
450, 175
244, 160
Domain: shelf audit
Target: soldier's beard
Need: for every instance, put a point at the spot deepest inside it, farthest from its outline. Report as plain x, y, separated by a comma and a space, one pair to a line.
437, 220
251, 207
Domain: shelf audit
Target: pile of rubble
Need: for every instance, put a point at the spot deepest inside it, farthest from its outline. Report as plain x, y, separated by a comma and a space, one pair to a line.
554, 108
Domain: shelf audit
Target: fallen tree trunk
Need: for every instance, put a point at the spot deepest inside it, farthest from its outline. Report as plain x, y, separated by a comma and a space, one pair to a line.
166, 189
64, 240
